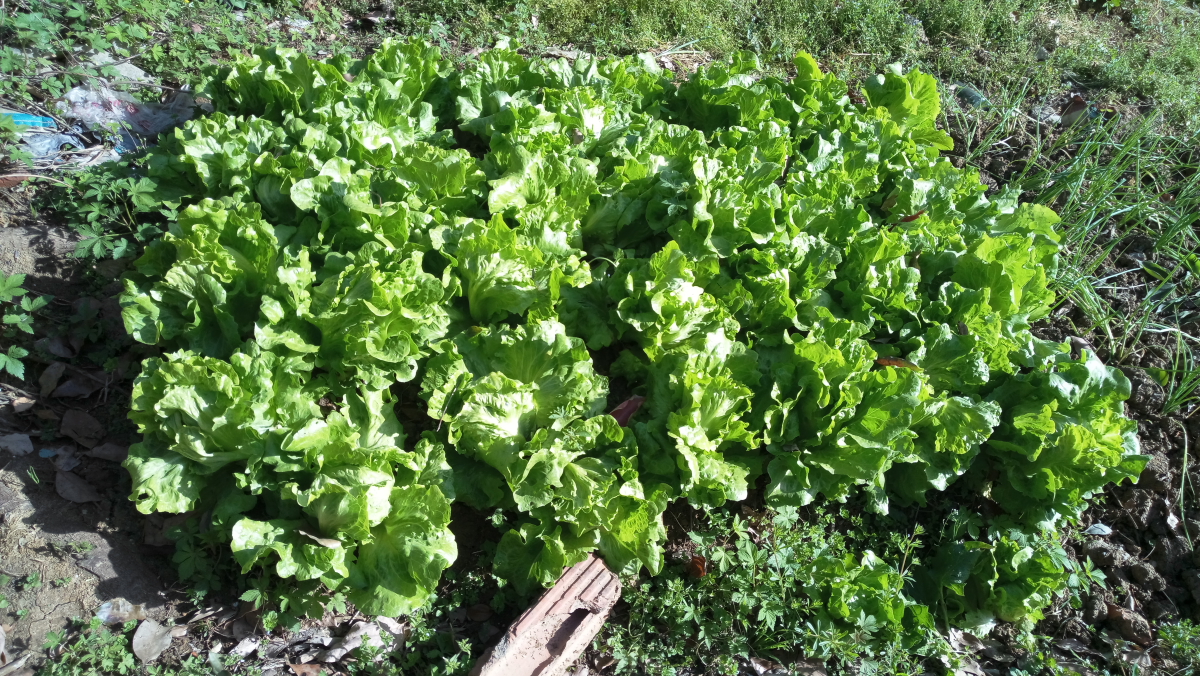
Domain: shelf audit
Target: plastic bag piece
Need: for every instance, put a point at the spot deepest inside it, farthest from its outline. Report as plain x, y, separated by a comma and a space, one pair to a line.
44, 145
25, 120
102, 108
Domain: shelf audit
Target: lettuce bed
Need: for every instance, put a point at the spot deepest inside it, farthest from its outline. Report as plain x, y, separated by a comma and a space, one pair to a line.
805, 294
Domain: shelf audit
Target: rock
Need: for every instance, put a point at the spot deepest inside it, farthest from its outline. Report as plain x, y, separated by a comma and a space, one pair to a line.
1148, 578
1095, 611
1132, 626
1192, 580
1104, 554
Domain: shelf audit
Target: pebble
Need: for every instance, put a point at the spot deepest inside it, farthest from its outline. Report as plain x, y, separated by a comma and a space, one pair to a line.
1095, 610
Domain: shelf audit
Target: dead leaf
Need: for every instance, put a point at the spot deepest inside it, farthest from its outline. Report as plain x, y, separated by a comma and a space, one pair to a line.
110, 451
22, 404
57, 346
70, 487
46, 414
306, 669
79, 386
82, 428
329, 543
766, 667
66, 460
480, 612
179, 631
17, 444
49, 377
150, 640
810, 668
245, 647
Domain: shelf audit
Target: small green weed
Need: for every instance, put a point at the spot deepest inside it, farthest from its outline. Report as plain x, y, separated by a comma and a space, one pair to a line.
750, 590
1183, 641
30, 582
17, 319
96, 650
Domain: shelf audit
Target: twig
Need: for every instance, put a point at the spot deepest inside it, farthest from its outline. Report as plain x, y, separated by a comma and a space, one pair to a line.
48, 178
1183, 481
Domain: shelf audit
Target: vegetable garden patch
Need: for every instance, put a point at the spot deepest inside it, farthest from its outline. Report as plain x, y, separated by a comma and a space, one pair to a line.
809, 298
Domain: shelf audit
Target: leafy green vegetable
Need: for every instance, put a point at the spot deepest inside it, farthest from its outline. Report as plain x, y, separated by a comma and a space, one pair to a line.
804, 292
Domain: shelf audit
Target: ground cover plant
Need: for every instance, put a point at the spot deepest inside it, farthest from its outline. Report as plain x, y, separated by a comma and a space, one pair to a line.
767, 283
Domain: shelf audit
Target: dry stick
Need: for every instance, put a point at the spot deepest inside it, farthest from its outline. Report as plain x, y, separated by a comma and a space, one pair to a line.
1183, 480
36, 176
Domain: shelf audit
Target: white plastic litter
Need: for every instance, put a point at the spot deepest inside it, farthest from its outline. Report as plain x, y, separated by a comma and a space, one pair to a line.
117, 112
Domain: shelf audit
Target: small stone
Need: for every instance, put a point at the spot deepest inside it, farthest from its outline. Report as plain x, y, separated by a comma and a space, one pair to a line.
1132, 626
1104, 554
1095, 611
1145, 575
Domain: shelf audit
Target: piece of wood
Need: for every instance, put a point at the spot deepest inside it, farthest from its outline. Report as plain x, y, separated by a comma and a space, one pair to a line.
549, 637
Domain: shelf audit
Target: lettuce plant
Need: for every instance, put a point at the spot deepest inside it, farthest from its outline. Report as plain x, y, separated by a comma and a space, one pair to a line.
802, 289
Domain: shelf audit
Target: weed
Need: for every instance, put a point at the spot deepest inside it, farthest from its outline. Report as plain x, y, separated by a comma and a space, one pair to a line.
30, 582
1183, 642
17, 319
96, 650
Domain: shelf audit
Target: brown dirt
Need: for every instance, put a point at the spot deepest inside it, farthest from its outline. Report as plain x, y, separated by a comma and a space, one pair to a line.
83, 554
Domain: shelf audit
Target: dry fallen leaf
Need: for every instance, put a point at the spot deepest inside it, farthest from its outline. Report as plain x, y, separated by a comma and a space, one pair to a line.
57, 346
150, 640
70, 487
79, 386
329, 543
17, 444
22, 404
82, 428
46, 414
50, 376
110, 451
